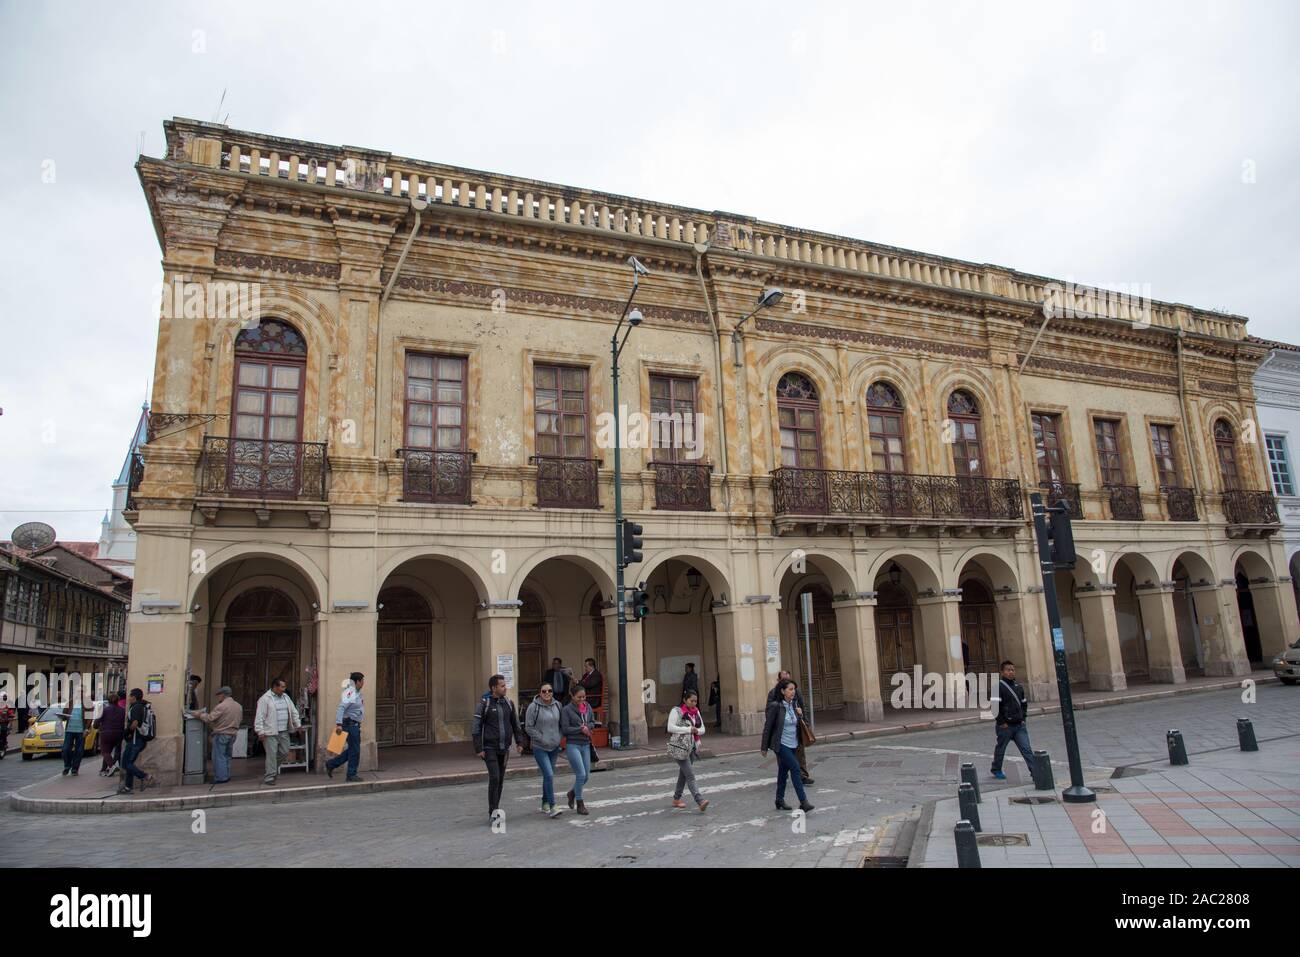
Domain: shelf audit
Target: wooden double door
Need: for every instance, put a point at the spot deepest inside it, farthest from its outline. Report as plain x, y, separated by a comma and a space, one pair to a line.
823, 636
979, 629
252, 658
895, 634
403, 691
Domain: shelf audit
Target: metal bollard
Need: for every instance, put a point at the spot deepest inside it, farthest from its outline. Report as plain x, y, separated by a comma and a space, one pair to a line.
969, 805
1246, 735
1043, 780
1177, 750
968, 851
968, 776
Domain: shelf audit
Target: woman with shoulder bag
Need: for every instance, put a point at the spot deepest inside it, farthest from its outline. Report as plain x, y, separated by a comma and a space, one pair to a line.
781, 734
576, 721
685, 727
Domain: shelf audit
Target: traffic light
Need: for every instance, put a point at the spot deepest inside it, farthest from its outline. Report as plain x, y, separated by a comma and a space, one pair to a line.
631, 543
639, 603
1062, 536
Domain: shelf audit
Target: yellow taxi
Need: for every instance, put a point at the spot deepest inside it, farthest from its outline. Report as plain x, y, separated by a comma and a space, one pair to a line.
45, 733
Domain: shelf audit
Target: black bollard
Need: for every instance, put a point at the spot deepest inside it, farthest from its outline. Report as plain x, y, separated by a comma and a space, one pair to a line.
1043, 780
968, 776
969, 805
1177, 750
1246, 735
968, 851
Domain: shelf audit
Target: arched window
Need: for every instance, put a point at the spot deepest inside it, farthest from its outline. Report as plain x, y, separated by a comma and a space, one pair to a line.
270, 366
797, 411
967, 448
1225, 448
885, 422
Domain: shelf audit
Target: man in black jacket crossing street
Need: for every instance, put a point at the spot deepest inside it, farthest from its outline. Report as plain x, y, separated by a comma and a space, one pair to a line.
496, 726
1013, 709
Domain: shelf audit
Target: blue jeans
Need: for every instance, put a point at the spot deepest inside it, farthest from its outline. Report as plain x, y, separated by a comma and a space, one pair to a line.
787, 763
580, 761
221, 747
1018, 733
546, 764
74, 743
130, 752
353, 753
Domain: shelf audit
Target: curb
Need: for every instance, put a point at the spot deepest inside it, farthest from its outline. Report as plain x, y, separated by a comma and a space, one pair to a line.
31, 805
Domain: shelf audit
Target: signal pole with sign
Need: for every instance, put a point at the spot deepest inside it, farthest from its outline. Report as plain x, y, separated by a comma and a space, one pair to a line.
1056, 552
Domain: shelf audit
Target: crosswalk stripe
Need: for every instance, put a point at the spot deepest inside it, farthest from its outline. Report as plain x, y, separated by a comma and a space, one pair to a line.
649, 782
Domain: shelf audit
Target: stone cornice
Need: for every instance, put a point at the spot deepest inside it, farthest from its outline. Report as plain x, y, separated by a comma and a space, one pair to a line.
806, 330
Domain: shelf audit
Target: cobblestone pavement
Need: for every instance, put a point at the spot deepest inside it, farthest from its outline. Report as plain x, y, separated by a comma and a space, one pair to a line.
862, 789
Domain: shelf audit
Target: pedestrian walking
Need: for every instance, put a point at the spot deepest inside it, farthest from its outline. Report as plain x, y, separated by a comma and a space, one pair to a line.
276, 719
6, 718
576, 721
685, 728
111, 725
690, 680
542, 724
800, 754
495, 728
781, 734
1013, 710
593, 682
74, 733
715, 701
141, 727
224, 720
351, 712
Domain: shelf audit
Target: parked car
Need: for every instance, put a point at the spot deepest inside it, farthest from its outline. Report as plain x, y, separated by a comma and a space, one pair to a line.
1287, 665
45, 734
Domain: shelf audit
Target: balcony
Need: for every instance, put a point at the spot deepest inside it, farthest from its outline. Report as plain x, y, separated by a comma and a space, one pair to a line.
1180, 503
1064, 493
682, 486
136, 477
879, 499
436, 477
261, 470
1250, 513
566, 483
1125, 502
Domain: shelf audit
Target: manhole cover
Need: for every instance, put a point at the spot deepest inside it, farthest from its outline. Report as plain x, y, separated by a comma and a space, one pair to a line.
1002, 840
1033, 799
884, 860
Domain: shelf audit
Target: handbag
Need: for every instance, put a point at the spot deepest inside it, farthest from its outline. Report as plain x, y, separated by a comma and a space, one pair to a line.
679, 746
805, 733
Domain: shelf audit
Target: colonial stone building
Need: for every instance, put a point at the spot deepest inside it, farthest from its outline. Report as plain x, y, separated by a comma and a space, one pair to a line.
395, 463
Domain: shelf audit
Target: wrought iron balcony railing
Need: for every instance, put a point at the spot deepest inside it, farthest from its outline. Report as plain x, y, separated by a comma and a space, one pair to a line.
1125, 502
1181, 503
566, 483
137, 476
263, 468
430, 475
1066, 493
895, 495
682, 486
1249, 507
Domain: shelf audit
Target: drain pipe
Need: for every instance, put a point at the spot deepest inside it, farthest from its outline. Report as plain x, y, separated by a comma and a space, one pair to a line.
419, 206
700, 250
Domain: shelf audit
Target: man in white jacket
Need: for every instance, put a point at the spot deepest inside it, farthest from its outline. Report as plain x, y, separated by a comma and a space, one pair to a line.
276, 718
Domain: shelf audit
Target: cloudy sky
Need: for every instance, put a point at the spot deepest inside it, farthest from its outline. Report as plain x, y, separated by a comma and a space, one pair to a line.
1106, 143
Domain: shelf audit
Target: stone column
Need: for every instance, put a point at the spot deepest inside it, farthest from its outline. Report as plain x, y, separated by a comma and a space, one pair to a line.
1013, 643
1222, 647
1101, 639
347, 644
859, 659
637, 689
498, 637
158, 645
743, 667
1164, 654
941, 634
1275, 617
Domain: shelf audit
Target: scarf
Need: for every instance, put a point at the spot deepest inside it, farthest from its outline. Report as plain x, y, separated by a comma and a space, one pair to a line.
693, 716
583, 708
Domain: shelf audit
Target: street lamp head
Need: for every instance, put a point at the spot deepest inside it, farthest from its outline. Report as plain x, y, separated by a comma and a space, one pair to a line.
770, 297
637, 266
634, 317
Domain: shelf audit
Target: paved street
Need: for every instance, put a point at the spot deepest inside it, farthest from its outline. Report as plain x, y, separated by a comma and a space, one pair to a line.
861, 786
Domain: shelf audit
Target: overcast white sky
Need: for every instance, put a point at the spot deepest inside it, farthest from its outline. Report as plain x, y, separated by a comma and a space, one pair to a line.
1103, 142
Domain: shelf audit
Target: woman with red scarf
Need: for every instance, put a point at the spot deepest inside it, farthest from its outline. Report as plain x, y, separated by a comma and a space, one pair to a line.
685, 727
576, 721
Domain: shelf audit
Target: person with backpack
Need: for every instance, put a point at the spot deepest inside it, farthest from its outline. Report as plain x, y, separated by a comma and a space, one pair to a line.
141, 728
1013, 709
276, 719
74, 733
685, 728
542, 725
495, 728
576, 721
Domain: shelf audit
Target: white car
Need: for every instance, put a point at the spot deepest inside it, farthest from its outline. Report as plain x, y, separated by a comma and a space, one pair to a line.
1287, 665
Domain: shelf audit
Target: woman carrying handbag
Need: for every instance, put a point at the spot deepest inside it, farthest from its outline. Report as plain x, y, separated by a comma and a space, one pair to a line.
685, 727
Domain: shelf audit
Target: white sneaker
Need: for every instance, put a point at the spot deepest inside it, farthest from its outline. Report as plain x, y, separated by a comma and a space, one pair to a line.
554, 811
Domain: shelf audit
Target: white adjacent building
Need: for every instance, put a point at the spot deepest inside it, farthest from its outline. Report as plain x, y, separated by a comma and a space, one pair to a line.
116, 536
1277, 395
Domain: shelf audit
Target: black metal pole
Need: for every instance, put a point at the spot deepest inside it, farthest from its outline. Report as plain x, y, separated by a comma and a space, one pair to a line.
1076, 793
624, 726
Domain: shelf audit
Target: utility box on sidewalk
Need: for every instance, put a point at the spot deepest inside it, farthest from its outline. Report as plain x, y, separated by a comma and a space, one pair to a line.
195, 735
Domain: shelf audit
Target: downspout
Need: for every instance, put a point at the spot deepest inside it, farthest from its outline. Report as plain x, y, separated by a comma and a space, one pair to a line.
700, 250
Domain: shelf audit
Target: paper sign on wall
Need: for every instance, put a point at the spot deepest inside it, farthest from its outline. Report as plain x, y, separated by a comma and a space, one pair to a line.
154, 683
506, 668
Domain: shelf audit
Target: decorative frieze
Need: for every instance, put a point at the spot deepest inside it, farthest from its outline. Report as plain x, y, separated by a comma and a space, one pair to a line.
808, 331
1226, 388
260, 263
1102, 372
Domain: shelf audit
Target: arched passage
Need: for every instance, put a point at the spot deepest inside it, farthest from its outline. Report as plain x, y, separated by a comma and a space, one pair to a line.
992, 629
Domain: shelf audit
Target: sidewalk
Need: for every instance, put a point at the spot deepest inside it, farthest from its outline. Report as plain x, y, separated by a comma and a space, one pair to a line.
448, 764
1228, 808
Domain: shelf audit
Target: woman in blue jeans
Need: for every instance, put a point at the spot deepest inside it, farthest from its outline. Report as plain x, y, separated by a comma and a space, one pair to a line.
576, 721
542, 724
781, 734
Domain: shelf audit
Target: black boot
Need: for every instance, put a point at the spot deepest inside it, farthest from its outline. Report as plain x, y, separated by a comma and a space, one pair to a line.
782, 806
570, 797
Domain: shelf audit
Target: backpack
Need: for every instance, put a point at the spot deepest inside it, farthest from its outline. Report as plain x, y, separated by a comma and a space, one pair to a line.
148, 729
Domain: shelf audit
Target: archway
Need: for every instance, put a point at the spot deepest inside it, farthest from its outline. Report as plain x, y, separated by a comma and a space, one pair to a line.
1128, 620
821, 637
681, 631
262, 644
896, 626
1248, 617
1194, 599
403, 684
979, 629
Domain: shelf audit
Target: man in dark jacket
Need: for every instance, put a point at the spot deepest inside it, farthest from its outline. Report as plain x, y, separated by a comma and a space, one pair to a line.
560, 679
594, 683
496, 727
775, 695
690, 681
1013, 708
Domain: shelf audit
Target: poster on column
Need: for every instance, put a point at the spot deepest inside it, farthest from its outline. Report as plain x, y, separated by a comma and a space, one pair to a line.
506, 668
773, 654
